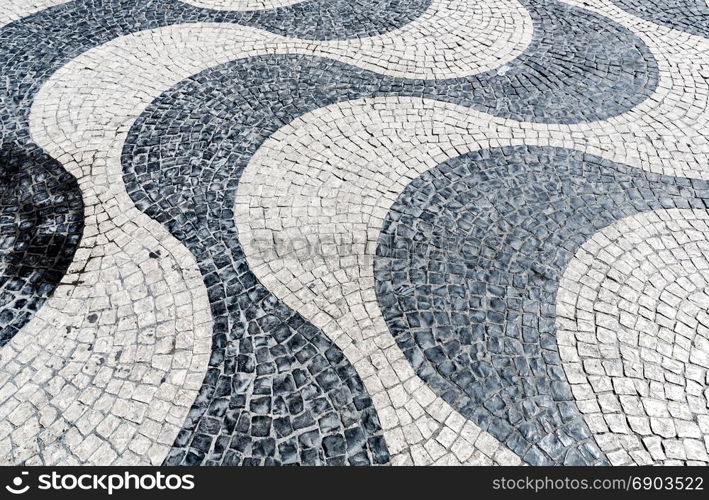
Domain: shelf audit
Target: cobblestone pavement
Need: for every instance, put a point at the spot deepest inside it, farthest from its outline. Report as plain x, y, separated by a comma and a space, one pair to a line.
354, 232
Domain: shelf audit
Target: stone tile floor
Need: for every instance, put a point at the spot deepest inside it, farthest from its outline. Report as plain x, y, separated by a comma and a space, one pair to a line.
356, 232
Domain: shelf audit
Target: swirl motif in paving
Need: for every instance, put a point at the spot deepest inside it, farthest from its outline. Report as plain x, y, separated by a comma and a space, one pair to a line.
179, 316
157, 306
91, 142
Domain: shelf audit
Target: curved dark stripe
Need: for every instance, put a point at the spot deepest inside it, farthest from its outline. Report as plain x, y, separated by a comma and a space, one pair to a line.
691, 16
579, 67
41, 210
467, 269
257, 339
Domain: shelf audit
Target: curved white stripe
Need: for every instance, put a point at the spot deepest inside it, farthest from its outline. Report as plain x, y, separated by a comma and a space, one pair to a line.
107, 370
241, 4
355, 175
451, 38
12, 10
350, 161
102, 135
632, 315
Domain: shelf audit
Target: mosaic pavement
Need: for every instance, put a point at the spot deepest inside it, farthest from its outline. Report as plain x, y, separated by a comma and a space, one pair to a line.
354, 232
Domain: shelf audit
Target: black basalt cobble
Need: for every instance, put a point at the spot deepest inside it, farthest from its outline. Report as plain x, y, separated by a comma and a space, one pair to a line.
467, 268
691, 16
277, 391
262, 401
